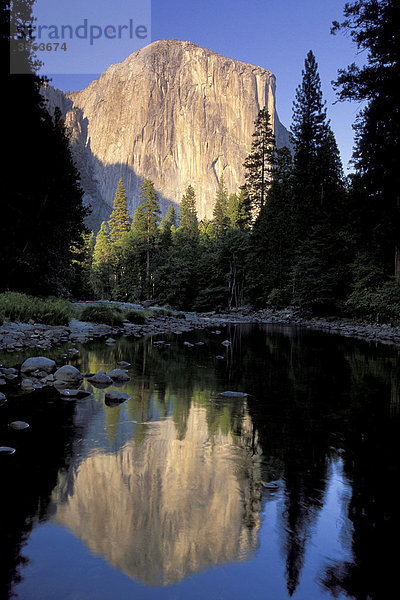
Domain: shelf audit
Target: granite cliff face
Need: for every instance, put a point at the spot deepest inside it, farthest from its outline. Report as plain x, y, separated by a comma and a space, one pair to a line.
172, 112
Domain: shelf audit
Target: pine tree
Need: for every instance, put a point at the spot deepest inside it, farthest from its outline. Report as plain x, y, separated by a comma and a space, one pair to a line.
101, 275
188, 226
42, 210
259, 163
168, 226
170, 217
309, 130
145, 225
102, 247
119, 222
271, 252
318, 198
375, 27
82, 264
220, 218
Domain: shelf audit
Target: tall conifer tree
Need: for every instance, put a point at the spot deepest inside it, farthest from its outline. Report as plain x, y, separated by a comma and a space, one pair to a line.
309, 129
220, 218
259, 163
42, 210
374, 26
318, 193
119, 222
188, 215
145, 225
102, 247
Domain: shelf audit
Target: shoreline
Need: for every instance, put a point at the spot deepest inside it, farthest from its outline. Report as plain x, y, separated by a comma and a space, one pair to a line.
16, 337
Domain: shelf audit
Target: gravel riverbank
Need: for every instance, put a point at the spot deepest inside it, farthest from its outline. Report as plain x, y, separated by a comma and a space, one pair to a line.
15, 337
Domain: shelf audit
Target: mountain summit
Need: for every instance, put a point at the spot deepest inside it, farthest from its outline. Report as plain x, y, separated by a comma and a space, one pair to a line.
172, 112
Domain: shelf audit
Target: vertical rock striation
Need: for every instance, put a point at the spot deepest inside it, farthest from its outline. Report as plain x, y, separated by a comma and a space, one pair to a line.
172, 112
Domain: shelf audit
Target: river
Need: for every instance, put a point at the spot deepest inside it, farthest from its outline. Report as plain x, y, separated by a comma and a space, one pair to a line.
287, 490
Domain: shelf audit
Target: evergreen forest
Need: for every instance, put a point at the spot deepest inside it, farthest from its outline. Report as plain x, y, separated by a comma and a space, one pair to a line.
296, 233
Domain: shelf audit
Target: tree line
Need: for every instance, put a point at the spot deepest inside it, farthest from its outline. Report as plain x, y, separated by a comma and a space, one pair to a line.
297, 232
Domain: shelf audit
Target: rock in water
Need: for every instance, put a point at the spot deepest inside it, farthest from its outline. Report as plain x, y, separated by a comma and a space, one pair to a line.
18, 425
119, 375
6, 450
172, 112
114, 397
74, 393
38, 363
100, 379
68, 373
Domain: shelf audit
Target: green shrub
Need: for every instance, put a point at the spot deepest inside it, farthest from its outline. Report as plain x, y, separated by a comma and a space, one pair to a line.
22, 307
136, 316
101, 314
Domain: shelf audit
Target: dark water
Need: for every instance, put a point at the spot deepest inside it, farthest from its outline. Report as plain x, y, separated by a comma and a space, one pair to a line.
183, 494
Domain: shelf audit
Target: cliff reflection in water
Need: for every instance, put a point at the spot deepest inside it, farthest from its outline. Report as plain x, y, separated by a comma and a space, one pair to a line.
163, 508
178, 479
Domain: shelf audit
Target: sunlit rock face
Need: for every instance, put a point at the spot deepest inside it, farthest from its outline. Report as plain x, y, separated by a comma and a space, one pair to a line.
172, 112
163, 508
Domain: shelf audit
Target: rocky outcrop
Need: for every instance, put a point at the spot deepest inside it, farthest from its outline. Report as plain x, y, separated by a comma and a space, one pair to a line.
172, 112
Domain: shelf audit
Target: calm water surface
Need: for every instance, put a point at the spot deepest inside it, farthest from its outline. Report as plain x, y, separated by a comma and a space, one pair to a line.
180, 493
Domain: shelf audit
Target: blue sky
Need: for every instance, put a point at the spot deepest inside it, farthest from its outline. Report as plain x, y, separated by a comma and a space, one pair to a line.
275, 34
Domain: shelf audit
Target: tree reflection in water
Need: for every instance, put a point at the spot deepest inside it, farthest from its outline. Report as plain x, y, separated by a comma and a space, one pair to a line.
175, 480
